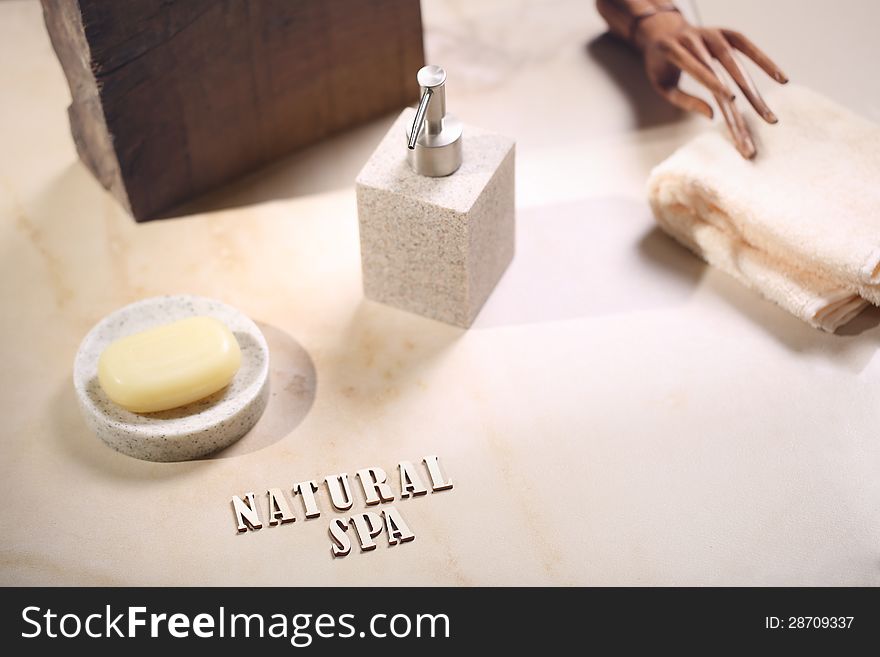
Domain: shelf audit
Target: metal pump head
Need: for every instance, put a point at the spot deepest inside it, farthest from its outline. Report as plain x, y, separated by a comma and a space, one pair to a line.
434, 140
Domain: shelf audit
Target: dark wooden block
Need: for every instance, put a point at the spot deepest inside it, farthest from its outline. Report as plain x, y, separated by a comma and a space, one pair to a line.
174, 97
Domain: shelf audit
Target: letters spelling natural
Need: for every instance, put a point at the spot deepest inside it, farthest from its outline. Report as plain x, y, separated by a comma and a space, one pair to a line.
367, 525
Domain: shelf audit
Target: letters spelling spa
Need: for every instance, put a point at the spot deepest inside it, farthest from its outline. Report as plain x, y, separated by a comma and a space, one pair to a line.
366, 526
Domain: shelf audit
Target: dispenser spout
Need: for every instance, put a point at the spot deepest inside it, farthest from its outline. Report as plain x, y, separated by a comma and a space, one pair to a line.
435, 137
419, 121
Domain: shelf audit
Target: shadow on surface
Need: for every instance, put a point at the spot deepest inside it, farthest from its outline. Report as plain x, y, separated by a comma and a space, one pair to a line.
603, 256
866, 320
852, 346
331, 164
292, 386
625, 67
590, 258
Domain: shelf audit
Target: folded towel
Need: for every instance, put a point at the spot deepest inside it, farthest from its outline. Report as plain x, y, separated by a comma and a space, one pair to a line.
801, 223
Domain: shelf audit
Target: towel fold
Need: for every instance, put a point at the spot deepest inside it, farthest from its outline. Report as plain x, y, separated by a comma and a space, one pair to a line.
801, 223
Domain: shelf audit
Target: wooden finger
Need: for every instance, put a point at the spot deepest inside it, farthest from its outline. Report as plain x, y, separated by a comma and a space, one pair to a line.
724, 54
736, 124
694, 43
685, 101
742, 43
683, 59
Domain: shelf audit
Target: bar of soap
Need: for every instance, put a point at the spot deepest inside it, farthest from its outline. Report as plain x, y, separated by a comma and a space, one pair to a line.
194, 431
170, 365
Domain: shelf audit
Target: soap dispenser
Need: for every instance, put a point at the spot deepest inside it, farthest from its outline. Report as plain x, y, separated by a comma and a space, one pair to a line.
436, 211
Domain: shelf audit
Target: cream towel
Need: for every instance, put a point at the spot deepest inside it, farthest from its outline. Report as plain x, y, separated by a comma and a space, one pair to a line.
801, 223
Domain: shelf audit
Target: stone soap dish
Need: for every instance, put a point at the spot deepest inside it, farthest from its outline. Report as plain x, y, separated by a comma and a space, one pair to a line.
187, 432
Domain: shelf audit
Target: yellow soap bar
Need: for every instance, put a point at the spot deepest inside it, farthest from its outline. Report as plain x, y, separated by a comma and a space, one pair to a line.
169, 366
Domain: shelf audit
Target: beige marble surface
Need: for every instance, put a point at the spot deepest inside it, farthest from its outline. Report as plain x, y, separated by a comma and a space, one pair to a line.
619, 414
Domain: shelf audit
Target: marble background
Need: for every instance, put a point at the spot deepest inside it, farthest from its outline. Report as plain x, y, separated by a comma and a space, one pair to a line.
620, 414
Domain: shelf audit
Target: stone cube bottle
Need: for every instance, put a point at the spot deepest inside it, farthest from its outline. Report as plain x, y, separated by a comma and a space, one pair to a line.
436, 211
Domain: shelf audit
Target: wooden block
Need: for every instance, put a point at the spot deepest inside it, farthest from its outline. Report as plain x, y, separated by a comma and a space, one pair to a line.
174, 97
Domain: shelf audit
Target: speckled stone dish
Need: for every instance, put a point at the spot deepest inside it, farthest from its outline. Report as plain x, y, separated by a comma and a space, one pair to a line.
184, 433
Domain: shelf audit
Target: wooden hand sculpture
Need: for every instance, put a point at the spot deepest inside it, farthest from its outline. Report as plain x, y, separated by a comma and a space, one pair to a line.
670, 45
